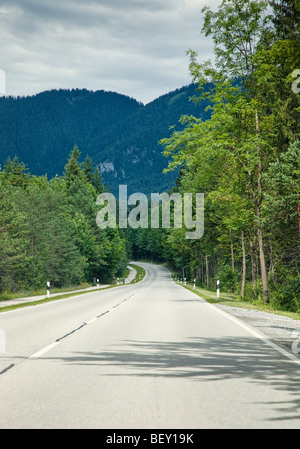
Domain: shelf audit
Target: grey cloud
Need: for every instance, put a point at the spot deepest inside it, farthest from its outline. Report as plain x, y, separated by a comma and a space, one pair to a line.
132, 46
95, 13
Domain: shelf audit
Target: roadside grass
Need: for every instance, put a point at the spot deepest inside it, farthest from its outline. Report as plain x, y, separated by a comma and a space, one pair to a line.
9, 296
140, 273
126, 273
138, 278
232, 300
42, 301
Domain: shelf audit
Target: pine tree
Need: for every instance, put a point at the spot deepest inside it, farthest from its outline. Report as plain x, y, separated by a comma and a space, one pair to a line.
73, 169
88, 169
14, 241
16, 173
97, 181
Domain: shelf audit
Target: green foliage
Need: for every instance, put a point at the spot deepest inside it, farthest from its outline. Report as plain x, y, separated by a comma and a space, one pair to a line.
109, 127
48, 229
283, 179
14, 238
245, 157
228, 277
73, 169
286, 296
237, 142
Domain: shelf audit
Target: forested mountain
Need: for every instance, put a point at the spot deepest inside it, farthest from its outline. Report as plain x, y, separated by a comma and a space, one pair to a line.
243, 153
119, 134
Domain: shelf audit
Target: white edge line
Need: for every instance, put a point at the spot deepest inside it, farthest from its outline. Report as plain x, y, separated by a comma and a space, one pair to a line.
252, 331
249, 329
256, 334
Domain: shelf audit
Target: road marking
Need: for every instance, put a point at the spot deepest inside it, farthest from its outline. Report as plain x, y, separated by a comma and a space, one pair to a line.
92, 321
43, 351
251, 330
7, 369
257, 334
53, 345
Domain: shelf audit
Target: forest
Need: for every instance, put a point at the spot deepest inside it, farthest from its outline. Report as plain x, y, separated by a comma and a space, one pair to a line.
245, 158
242, 151
119, 134
48, 230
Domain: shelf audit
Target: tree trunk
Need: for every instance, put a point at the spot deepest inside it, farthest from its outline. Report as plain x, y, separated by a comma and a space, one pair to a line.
258, 201
253, 258
264, 275
207, 272
271, 269
262, 260
299, 219
232, 252
199, 275
244, 266
32, 246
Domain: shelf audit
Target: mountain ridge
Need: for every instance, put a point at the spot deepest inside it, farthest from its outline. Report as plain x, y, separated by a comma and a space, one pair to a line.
119, 133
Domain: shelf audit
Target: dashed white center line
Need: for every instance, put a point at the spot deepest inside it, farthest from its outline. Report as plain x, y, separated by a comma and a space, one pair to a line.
53, 345
92, 321
43, 351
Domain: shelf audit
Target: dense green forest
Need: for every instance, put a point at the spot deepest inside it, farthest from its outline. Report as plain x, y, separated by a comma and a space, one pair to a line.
245, 158
238, 143
48, 229
120, 134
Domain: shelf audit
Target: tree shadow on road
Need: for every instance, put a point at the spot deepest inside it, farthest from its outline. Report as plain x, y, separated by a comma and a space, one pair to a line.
203, 360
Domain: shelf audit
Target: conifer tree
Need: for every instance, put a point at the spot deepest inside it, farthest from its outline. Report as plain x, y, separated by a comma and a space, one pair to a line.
73, 169
88, 169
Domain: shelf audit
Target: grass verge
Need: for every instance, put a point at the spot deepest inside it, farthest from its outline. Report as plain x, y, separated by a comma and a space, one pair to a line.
138, 278
232, 300
10, 296
140, 273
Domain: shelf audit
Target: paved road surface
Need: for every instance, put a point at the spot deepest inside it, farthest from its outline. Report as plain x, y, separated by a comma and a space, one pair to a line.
145, 356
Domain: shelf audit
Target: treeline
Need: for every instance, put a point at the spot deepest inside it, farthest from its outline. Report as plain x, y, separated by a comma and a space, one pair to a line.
112, 128
245, 158
48, 229
41, 129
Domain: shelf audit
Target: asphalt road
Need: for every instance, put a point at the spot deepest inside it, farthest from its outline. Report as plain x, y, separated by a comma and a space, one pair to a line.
145, 356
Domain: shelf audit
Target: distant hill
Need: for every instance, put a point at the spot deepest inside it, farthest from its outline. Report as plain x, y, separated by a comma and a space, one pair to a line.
119, 134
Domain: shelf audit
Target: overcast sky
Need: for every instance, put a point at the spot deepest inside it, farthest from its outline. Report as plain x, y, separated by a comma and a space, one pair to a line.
134, 47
